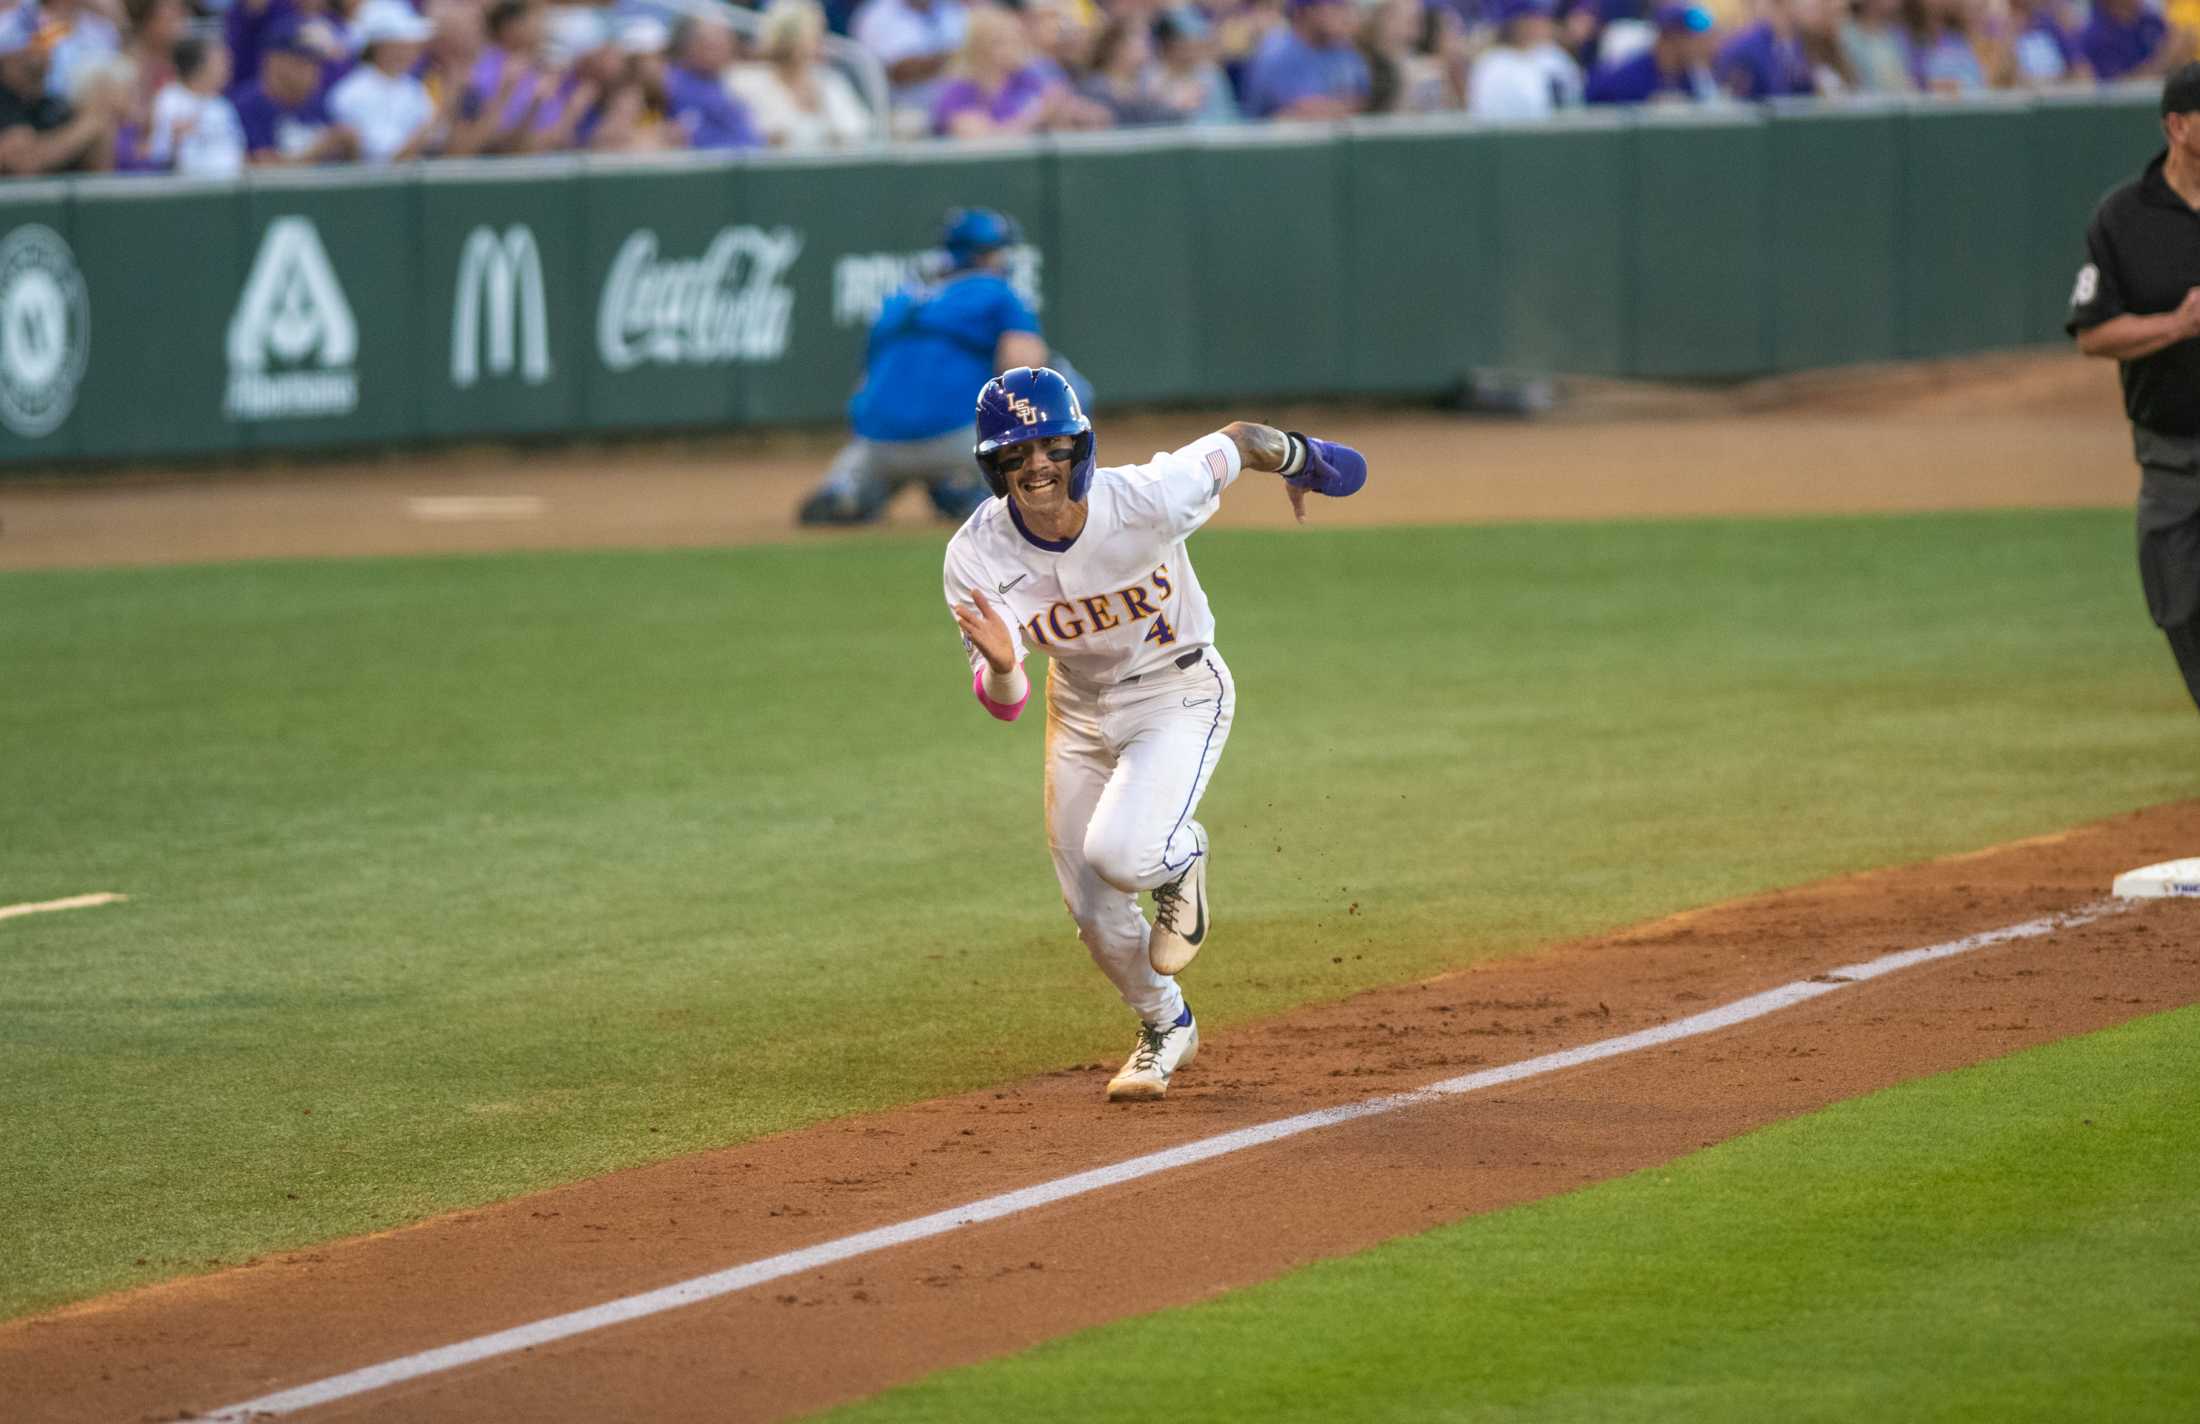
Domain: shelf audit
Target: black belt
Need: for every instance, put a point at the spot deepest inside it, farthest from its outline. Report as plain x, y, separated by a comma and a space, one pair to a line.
1183, 662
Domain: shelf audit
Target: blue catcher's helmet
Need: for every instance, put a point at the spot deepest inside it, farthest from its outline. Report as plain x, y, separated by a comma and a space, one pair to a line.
969, 233
1031, 403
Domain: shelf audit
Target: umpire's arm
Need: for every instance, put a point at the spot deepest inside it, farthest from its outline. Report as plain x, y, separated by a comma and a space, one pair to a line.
2101, 320
2130, 336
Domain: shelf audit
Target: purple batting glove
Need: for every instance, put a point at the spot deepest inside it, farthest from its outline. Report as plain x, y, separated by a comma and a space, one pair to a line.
1331, 469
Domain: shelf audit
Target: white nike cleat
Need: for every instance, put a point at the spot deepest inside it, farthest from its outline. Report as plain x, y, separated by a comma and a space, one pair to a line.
1180, 916
1162, 1049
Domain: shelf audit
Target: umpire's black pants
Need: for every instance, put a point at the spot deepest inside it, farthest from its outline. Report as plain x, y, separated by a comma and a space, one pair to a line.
2169, 542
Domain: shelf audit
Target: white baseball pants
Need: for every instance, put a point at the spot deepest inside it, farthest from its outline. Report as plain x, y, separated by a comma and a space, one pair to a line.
1126, 766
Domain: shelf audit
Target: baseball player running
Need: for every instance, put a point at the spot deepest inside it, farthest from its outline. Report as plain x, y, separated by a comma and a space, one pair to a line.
1088, 566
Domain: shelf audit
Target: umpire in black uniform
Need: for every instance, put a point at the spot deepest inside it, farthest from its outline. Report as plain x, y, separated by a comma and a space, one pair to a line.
2138, 301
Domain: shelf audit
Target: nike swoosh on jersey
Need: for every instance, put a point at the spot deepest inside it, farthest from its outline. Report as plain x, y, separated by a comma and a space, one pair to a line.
1197, 701
1005, 587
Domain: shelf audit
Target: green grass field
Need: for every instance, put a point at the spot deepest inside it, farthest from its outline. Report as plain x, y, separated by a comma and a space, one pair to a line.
2011, 1242
454, 878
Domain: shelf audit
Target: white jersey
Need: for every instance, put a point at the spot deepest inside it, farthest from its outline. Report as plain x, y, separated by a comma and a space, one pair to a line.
1118, 601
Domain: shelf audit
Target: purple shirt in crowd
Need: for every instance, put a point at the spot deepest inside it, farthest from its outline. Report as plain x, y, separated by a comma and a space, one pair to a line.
1948, 59
488, 73
1758, 64
1024, 88
2115, 48
1634, 81
269, 125
1289, 69
246, 33
244, 28
2044, 50
711, 117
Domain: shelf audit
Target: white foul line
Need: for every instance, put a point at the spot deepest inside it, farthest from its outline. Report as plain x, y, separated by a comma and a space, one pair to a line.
826, 1253
73, 902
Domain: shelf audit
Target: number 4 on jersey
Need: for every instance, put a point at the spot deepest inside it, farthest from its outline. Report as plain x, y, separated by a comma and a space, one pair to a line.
1160, 632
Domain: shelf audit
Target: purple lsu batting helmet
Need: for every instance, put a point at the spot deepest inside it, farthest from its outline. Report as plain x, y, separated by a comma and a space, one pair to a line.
1031, 403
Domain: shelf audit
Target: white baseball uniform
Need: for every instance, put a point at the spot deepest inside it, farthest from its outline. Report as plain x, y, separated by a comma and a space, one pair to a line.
1139, 702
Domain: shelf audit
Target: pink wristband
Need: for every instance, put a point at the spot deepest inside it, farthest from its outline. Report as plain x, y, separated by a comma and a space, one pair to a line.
1005, 711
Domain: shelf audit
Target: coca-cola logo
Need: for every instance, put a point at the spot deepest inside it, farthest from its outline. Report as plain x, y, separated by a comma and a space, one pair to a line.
732, 304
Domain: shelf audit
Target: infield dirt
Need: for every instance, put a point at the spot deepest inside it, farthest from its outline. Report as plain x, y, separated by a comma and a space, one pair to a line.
838, 1334
2008, 432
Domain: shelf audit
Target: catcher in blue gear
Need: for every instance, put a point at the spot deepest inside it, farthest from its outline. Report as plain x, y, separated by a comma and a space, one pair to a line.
933, 346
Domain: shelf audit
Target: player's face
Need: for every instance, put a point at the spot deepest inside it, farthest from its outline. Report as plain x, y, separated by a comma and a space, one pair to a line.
1038, 472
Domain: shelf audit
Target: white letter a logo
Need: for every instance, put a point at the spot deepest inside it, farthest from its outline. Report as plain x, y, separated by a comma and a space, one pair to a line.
293, 307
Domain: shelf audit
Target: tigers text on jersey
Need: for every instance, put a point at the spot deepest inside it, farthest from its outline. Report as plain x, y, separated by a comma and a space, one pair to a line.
1120, 599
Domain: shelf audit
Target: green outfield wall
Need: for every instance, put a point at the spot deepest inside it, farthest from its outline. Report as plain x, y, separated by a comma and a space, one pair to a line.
153, 317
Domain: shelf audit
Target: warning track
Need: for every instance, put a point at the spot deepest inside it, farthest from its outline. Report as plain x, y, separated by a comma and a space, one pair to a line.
2019, 430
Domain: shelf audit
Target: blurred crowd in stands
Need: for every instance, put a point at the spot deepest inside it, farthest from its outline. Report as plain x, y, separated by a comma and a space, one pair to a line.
208, 87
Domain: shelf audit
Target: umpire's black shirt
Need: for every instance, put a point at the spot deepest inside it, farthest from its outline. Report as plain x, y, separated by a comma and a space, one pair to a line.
2143, 253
